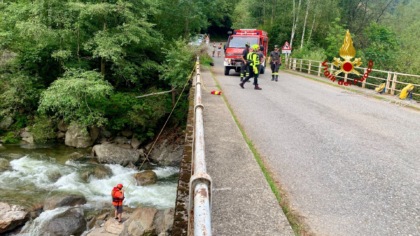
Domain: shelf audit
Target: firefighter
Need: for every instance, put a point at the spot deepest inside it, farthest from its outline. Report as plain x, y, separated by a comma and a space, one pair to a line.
244, 71
275, 62
253, 61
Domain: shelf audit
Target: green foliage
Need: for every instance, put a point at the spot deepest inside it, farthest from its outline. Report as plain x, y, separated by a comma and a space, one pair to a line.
10, 138
20, 94
382, 45
310, 52
139, 114
43, 129
179, 63
334, 39
77, 96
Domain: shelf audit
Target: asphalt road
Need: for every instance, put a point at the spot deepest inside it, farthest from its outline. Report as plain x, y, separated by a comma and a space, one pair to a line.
350, 164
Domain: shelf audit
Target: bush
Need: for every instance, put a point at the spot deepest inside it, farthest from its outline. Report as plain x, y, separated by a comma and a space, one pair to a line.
43, 129
10, 138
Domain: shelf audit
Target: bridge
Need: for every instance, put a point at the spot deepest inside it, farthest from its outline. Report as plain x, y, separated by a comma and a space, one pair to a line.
342, 160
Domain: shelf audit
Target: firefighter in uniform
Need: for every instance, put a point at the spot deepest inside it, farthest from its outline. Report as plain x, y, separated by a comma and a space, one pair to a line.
244, 71
275, 62
253, 66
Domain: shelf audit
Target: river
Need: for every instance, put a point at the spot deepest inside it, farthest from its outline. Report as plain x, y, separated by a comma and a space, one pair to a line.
35, 171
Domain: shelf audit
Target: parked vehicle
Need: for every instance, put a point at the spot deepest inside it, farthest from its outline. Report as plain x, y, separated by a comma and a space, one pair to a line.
197, 40
236, 44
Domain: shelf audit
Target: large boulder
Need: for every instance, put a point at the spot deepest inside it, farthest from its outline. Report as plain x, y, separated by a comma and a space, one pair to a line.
78, 137
141, 222
69, 222
60, 199
97, 171
146, 177
164, 221
167, 154
113, 154
11, 216
27, 136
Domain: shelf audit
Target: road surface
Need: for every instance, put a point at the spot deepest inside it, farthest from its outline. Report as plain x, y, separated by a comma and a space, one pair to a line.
349, 163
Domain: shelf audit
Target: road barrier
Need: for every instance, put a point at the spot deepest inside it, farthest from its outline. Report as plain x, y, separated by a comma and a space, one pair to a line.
394, 81
199, 210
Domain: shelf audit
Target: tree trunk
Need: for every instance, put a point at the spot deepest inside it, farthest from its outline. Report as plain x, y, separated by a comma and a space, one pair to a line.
295, 21
304, 23
102, 59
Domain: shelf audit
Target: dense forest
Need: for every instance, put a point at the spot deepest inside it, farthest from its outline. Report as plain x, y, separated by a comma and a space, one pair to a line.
88, 61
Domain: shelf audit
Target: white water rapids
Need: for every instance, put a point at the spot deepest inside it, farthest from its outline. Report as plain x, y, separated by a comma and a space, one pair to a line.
30, 171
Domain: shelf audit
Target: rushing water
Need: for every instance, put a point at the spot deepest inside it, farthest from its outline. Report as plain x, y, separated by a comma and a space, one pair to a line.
35, 172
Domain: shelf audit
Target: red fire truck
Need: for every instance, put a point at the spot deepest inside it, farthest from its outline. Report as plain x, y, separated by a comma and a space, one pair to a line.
236, 44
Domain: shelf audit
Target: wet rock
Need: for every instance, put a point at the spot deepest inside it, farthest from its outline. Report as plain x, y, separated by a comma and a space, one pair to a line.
4, 164
98, 171
113, 154
11, 216
60, 199
78, 137
146, 177
69, 222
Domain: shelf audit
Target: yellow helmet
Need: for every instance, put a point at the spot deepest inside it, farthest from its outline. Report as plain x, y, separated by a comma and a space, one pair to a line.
255, 47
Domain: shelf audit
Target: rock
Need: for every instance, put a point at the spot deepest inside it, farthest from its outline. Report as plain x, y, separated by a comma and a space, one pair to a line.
112, 154
60, 135
4, 164
11, 216
121, 140
94, 133
98, 171
6, 123
135, 143
141, 222
62, 126
27, 137
164, 221
78, 137
60, 199
69, 222
167, 154
75, 155
146, 177
105, 133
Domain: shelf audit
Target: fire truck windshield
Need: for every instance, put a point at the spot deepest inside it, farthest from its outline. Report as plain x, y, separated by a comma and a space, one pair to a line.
239, 42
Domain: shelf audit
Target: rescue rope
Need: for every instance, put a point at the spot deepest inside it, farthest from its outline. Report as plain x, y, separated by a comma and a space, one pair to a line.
170, 114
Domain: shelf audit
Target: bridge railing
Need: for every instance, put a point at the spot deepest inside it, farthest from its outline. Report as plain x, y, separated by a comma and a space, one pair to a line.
199, 220
394, 81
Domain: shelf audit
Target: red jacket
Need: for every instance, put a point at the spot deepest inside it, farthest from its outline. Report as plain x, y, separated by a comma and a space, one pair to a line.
117, 196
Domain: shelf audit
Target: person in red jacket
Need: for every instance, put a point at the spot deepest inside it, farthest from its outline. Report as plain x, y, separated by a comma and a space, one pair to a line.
117, 201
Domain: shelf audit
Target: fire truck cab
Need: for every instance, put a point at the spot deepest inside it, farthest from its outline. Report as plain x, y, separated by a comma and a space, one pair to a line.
236, 44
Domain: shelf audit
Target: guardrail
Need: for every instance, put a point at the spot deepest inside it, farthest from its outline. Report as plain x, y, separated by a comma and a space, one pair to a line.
199, 210
394, 81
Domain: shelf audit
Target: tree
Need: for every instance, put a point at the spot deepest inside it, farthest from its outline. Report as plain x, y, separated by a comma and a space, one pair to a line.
78, 96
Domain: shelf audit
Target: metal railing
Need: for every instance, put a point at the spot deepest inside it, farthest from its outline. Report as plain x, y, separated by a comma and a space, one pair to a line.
394, 81
200, 182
